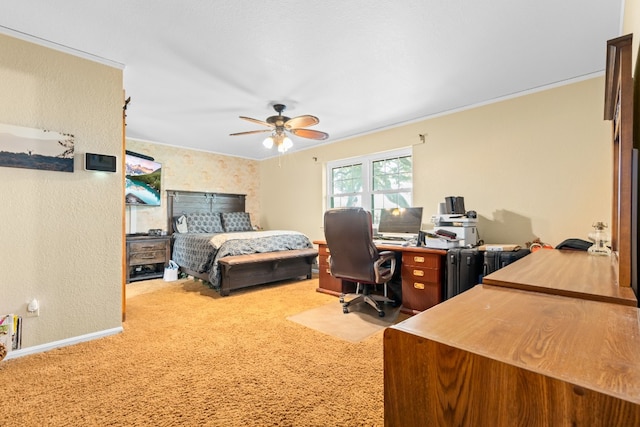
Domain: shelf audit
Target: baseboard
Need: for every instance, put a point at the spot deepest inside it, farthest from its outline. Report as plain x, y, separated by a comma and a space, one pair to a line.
62, 343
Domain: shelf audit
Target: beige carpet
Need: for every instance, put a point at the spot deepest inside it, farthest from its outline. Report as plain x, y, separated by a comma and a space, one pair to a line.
361, 322
189, 357
145, 286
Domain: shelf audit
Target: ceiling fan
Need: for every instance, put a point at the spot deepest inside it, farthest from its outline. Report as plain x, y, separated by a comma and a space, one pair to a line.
279, 125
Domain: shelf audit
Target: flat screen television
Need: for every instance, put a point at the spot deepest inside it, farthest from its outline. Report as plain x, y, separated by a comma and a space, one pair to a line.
400, 222
143, 178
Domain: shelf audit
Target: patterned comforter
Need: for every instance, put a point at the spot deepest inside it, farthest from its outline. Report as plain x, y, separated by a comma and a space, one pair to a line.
200, 252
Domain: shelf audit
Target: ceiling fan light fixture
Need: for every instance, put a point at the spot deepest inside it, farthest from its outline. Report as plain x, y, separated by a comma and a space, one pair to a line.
280, 124
283, 143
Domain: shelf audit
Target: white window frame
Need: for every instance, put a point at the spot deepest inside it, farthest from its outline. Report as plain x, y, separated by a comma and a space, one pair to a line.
367, 163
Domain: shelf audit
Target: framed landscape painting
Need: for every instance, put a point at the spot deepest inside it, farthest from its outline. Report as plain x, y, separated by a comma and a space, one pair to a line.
29, 148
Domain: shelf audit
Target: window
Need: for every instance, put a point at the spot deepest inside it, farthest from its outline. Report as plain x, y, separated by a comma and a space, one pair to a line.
374, 182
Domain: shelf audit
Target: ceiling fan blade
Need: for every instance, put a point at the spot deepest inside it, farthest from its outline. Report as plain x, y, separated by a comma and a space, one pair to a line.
309, 133
260, 122
301, 122
250, 132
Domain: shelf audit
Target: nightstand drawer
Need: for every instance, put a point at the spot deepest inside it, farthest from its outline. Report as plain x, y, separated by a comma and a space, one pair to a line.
147, 246
147, 257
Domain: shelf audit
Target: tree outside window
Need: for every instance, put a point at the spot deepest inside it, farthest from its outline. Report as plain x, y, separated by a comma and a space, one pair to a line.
374, 182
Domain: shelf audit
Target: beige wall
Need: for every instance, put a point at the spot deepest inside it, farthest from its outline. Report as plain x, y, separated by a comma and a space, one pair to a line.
194, 171
62, 232
533, 166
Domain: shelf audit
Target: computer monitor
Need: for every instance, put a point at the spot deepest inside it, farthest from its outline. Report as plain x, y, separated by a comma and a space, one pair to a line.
400, 222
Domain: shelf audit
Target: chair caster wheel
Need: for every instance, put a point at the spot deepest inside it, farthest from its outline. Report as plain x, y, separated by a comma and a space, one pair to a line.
381, 314
395, 303
345, 310
341, 300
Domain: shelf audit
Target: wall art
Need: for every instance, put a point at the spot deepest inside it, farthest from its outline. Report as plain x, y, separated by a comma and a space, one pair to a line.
29, 148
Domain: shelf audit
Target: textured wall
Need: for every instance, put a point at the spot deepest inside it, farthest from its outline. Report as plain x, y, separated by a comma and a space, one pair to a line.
196, 171
61, 241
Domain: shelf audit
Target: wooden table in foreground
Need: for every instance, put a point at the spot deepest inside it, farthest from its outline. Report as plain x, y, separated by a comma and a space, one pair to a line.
570, 273
499, 356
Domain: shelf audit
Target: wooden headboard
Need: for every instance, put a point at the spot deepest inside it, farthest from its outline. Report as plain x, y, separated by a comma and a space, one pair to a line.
183, 202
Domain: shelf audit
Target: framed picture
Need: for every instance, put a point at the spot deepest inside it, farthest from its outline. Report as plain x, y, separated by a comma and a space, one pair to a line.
29, 148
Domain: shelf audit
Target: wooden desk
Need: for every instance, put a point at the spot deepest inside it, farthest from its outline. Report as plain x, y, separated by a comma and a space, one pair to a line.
570, 273
556, 343
421, 273
499, 356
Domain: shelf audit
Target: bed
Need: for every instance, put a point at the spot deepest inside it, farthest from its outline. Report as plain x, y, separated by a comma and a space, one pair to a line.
213, 240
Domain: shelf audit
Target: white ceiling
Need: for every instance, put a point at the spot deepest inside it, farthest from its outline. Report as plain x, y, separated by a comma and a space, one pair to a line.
193, 66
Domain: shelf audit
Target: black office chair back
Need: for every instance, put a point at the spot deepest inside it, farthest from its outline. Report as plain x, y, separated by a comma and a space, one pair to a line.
349, 237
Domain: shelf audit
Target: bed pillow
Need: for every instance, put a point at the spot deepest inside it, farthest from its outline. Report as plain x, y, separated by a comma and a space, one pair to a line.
236, 221
180, 224
204, 222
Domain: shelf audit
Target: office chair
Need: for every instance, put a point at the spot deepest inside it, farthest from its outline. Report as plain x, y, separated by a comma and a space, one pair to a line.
355, 258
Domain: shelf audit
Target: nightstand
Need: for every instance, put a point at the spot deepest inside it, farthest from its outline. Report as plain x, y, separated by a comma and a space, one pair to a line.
147, 256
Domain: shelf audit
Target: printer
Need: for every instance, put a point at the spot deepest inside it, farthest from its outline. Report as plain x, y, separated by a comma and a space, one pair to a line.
458, 226
454, 225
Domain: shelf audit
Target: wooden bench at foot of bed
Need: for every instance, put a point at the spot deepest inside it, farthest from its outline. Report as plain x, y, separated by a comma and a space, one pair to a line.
241, 271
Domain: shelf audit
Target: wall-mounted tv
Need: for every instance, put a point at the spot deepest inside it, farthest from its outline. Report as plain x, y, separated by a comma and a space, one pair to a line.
143, 179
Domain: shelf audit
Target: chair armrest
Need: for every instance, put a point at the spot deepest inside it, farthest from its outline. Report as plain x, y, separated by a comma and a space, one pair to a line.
387, 255
384, 274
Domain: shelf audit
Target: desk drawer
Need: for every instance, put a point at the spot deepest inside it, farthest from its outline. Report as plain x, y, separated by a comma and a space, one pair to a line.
421, 281
412, 273
323, 250
326, 281
420, 295
147, 257
323, 267
421, 260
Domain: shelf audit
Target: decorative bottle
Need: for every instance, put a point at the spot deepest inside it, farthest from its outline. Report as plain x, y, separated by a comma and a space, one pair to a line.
600, 239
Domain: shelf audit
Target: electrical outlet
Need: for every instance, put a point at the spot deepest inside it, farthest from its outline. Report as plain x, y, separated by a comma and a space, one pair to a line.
33, 308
